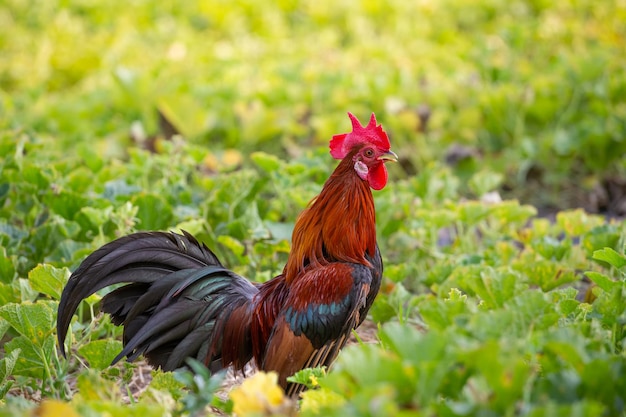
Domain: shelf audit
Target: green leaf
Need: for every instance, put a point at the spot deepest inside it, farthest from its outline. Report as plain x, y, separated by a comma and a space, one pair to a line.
382, 310
167, 381
9, 293
100, 353
7, 267
267, 162
309, 376
153, 211
602, 281
35, 322
33, 360
233, 244
96, 217
49, 280
494, 286
600, 237
4, 326
511, 212
369, 366
193, 226
66, 203
472, 212
610, 256
183, 113
504, 372
551, 248
6, 368
484, 181
555, 409
577, 222
546, 274
441, 313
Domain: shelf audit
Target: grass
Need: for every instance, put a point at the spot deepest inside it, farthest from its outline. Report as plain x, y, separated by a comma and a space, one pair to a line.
524, 315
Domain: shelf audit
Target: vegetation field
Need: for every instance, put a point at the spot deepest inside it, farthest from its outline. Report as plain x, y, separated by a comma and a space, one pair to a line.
501, 227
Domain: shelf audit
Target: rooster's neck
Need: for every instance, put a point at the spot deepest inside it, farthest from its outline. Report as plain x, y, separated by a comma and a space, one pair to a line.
338, 226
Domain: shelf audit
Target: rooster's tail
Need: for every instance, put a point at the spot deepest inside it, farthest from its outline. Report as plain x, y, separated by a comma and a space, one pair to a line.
176, 303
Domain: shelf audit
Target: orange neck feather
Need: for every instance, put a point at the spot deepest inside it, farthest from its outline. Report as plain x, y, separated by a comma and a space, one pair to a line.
337, 226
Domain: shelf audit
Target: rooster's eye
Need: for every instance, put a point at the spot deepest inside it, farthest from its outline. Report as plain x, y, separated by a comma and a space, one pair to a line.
369, 152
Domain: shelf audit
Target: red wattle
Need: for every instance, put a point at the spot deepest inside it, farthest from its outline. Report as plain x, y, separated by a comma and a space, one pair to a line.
377, 176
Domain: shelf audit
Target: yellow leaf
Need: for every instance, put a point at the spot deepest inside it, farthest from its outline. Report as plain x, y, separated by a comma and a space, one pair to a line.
259, 394
55, 408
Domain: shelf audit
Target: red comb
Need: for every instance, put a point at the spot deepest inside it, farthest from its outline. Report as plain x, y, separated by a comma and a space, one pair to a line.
340, 145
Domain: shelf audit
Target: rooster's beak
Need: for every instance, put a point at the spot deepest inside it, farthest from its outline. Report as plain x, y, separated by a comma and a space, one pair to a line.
388, 156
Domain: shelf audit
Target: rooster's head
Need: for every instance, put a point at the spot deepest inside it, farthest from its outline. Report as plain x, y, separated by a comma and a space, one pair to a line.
370, 149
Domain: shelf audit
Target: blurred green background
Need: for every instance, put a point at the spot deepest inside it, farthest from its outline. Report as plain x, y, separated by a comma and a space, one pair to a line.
215, 116
532, 91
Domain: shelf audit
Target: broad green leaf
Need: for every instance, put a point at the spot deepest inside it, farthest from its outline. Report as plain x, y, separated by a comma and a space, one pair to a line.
472, 212
6, 365
34, 321
182, 112
7, 267
504, 372
9, 293
511, 212
265, 161
100, 353
112, 190
382, 311
4, 190
309, 376
36, 176
551, 248
405, 339
194, 226
13, 233
572, 354
601, 237
610, 256
568, 306
369, 366
96, 217
442, 313
279, 231
494, 286
555, 409
233, 244
49, 280
68, 250
577, 222
166, 381
546, 274
66, 203
599, 370
484, 181
602, 281
4, 326
26, 290
34, 360
154, 212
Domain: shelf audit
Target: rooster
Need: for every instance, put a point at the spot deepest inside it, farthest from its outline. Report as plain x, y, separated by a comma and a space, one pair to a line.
179, 301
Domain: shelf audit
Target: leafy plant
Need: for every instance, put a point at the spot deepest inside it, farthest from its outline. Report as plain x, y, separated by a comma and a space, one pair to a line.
215, 120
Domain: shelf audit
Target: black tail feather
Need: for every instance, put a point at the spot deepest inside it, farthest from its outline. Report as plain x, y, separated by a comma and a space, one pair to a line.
176, 301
